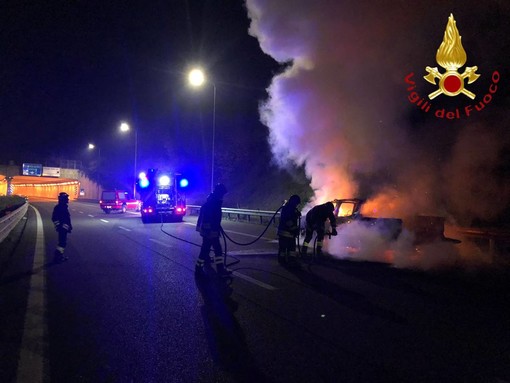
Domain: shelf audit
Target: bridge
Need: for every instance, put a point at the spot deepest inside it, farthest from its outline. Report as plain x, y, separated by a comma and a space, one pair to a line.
71, 181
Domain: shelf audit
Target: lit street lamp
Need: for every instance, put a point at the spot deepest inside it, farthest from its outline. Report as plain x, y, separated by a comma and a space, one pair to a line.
92, 147
98, 170
124, 127
196, 78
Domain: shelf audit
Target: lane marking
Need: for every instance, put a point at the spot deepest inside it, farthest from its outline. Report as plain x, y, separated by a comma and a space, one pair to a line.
253, 280
34, 342
104, 220
242, 276
91, 216
236, 232
253, 252
124, 228
161, 243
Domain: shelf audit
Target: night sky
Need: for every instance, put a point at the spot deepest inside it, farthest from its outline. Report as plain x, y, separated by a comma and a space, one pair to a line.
329, 77
71, 71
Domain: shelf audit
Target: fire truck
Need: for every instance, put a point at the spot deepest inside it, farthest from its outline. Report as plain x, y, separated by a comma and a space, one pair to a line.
162, 196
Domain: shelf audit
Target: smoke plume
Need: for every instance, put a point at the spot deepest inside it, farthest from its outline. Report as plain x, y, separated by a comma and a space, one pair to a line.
340, 107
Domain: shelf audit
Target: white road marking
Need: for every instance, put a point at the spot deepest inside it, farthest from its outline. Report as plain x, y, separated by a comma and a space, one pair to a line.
80, 212
91, 216
236, 232
124, 228
253, 280
253, 252
34, 342
161, 243
104, 220
237, 274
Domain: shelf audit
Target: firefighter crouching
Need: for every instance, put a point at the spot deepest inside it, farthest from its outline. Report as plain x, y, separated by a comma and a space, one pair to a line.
209, 227
288, 230
315, 221
62, 221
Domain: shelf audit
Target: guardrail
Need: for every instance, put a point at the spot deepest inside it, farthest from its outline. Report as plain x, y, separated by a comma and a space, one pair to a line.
261, 216
496, 239
9, 221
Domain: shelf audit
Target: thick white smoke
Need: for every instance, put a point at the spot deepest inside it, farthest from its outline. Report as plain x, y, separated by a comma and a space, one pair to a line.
340, 108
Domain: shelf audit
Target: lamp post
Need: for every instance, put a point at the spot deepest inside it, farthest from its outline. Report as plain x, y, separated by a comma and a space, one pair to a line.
124, 127
92, 147
196, 78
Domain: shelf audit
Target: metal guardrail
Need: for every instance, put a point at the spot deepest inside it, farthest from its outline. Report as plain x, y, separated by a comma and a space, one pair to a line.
9, 221
496, 238
261, 216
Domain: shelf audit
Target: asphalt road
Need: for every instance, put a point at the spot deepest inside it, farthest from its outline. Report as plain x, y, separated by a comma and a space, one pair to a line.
126, 307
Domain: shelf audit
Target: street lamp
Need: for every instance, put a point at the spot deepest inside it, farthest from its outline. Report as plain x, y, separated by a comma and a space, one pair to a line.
124, 127
196, 78
92, 147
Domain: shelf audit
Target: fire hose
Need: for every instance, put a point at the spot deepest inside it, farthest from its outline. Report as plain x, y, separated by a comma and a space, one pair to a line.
225, 237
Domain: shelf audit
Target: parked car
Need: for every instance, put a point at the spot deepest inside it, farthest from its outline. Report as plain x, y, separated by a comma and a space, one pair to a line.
117, 200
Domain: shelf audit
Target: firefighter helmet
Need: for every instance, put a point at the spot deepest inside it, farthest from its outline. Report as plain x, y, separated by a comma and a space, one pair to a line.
330, 206
294, 200
220, 190
63, 197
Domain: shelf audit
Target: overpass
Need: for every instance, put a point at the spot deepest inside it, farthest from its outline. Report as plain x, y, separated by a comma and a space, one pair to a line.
71, 181
32, 186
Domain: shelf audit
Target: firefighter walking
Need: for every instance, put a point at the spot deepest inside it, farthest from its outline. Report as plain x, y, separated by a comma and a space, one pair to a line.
62, 221
288, 230
209, 227
315, 221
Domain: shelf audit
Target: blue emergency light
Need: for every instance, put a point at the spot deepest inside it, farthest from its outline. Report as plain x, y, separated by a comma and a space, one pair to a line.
143, 181
183, 182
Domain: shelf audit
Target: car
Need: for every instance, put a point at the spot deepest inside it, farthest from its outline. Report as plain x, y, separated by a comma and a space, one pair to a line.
116, 200
134, 204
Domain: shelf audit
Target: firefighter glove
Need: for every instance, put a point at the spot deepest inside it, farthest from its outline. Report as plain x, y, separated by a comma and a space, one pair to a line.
333, 231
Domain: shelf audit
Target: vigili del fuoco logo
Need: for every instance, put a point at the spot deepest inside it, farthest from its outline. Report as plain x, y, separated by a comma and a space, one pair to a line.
451, 56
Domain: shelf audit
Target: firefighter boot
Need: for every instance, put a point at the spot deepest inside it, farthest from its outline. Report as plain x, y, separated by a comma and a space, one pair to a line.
319, 255
58, 255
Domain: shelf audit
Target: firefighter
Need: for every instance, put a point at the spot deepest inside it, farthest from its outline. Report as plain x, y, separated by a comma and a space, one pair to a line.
62, 221
288, 230
209, 227
315, 221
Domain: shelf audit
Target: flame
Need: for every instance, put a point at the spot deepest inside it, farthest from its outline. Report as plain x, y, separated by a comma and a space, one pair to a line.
346, 209
382, 205
451, 55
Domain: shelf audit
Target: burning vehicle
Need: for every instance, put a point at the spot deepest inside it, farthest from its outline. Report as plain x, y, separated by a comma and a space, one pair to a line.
349, 210
425, 229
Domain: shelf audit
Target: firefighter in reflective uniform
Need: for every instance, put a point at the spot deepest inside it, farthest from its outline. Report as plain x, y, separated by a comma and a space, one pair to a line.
62, 221
288, 230
209, 227
315, 221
